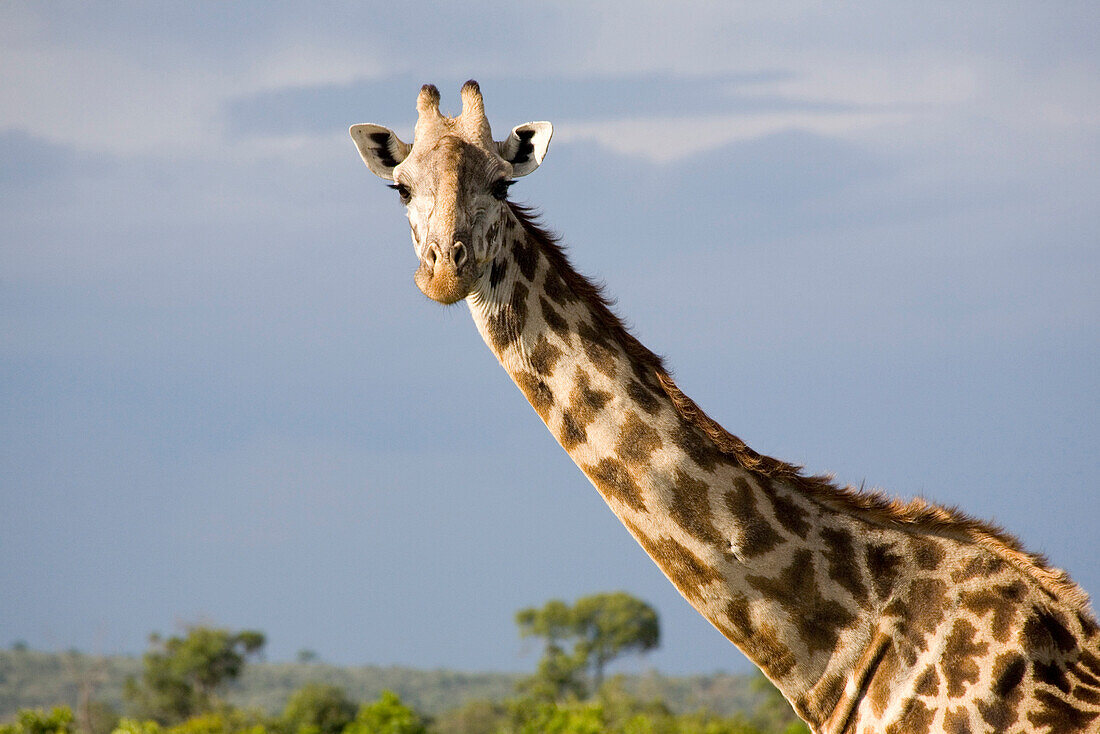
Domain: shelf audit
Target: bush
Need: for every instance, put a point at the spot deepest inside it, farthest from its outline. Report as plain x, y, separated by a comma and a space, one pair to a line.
387, 715
37, 721
317, 708
133, 726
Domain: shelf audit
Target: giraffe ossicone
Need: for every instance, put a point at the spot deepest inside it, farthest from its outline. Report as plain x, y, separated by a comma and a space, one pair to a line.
869, 614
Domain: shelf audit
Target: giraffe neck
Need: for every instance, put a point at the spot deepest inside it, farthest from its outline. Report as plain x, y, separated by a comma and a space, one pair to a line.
711, 525
833, 602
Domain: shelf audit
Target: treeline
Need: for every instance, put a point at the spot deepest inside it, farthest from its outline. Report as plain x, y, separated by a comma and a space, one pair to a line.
39, 680
33, 679
207, 681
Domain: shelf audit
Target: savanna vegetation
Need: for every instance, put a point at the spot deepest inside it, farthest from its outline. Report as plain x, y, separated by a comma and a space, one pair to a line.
208, 681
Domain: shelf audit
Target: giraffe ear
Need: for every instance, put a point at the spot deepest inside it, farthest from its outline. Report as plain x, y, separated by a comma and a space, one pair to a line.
525, 146
380, 147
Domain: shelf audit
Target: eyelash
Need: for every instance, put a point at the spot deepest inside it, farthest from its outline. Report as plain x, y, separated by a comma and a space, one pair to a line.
402, 191
500, 189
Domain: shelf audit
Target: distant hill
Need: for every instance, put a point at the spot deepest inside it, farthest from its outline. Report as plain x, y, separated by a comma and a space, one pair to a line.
30, 679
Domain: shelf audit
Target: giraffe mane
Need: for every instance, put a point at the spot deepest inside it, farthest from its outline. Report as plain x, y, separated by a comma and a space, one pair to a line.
916, 515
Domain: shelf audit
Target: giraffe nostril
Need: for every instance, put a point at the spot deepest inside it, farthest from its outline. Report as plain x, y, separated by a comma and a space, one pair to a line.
458, 253
431, 255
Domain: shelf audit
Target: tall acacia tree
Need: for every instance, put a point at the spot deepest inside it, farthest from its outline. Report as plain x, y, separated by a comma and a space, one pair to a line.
181, 676
602, 627
610, 625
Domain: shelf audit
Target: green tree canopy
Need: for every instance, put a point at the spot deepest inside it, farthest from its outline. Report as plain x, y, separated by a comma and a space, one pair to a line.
387, 715
610, 625
601, 627
181, 676
36, 721
316, 708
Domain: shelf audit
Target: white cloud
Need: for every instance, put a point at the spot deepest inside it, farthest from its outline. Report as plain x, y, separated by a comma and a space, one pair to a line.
882, 83
100, 96
667, 139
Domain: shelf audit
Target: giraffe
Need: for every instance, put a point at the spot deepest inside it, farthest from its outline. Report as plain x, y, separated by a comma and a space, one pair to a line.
868, 613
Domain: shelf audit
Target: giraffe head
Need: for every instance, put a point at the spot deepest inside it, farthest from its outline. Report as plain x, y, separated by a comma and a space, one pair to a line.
453, 181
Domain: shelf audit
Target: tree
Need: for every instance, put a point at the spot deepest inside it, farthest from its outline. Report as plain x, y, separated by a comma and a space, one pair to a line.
387, 715
611, 625
560, 675
36, 721
307, 656
602, 627
182, 675
316, 708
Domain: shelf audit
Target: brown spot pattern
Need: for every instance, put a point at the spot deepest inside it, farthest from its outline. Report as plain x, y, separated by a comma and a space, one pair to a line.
544, 356
614, 481
1002, 601
637, 440
1008, 671
696, 445
507, 323
787, 512
737, 614
643, 396
683, 567
600, 353
983, 565
915, 717
770, 652
585, 403
926, 604
957, 721
555, 320
537, 392
927, 553
1044, 631
1061, 716
1082, 674
572, 433
843, 567
1090, 661
691, 508
556, 289
999, 712
757, 534
820, 700
1052, 674
928, 682
959, 657
526, 254
818, 620
883, 566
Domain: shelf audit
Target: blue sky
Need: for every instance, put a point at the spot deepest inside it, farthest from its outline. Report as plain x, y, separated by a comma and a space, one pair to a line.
867, 239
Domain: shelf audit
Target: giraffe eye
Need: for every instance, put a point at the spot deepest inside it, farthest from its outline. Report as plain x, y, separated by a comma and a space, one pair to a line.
500, 189
402, 191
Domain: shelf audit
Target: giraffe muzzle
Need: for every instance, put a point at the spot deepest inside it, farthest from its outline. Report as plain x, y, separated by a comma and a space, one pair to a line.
444, 274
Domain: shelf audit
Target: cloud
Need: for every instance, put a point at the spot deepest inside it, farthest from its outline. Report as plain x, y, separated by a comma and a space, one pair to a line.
111, 87
663, 140
629, 115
